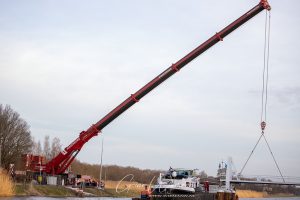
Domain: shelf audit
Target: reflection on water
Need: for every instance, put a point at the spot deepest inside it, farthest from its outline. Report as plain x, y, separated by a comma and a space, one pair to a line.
278, 198
69, 198
109, 198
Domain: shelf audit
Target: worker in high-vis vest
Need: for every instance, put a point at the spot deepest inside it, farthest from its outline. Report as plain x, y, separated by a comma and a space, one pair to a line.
145, 194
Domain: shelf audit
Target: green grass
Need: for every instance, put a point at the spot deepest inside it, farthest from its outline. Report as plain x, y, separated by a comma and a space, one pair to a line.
110, 193
60, 191
20, 190
43, 190
52, 190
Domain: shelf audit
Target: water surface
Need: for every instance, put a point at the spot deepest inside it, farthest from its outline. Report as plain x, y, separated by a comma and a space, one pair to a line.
109, 198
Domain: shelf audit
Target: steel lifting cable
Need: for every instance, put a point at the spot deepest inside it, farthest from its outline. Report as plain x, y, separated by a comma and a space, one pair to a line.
274, 159
266, 68
250, 155
264, 95
265, 77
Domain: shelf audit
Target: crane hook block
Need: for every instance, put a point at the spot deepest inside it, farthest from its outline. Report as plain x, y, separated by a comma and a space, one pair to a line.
263, 125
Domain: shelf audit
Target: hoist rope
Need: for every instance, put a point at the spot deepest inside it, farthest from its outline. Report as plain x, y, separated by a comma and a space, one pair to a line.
264, 93
265, 82
265, 77
268, 58
250, 154
274, 158
265, 73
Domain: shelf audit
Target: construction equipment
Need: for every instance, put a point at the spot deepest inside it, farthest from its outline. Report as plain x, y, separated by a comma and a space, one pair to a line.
61, 162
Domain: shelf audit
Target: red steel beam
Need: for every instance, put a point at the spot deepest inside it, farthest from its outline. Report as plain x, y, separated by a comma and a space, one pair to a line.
62, 160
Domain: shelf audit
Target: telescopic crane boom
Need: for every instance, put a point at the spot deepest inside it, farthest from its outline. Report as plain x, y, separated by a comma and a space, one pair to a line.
61, 162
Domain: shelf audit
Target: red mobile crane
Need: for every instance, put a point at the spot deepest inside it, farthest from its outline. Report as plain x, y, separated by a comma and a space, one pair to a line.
61, 162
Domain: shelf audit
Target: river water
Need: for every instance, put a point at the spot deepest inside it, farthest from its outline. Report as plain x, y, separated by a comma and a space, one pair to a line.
278, 198
59, 198
68, 198
108, 198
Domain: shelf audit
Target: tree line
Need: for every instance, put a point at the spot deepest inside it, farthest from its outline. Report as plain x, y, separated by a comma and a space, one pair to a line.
270, 189
15, 136
16, 140
115, 172
49, 151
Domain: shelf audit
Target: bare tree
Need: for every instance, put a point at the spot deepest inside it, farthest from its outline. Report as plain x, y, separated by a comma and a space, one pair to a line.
203, 174
36, 148
33, 146
14, 134
55, 147
47, 150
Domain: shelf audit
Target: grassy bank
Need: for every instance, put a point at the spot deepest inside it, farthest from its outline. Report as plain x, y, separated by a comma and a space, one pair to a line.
110, 193
112, 189
43, 190
6, 186
117, 189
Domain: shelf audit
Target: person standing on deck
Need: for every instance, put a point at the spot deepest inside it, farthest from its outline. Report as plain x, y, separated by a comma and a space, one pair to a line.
145, 194
206, 186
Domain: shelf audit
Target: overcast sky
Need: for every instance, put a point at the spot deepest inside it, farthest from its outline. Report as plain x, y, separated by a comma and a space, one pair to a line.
65, 64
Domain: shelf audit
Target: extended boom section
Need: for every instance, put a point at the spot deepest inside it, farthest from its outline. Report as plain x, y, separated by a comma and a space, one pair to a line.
60, 163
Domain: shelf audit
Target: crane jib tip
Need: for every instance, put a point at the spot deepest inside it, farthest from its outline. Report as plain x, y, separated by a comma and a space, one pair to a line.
265, 4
